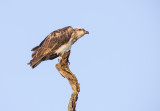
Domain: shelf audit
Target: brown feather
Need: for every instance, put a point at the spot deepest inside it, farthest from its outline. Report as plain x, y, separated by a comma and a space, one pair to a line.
46, 49
35, 48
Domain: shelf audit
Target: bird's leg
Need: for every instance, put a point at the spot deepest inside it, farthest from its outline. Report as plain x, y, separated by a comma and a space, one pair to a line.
68, 57
68, 62
59, 60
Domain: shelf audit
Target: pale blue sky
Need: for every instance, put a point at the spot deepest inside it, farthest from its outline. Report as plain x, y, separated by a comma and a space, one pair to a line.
117, 64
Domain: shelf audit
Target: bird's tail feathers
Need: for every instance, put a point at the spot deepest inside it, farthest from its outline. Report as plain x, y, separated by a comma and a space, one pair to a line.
36, 61
35, 48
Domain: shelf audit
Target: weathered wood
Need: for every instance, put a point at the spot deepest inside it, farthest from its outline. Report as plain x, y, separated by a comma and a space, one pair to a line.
64, 70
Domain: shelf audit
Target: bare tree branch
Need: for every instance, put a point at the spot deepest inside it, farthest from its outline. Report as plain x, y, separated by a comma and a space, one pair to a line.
64, 70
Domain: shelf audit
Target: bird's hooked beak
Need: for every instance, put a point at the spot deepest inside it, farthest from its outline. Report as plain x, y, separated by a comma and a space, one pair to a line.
87, 32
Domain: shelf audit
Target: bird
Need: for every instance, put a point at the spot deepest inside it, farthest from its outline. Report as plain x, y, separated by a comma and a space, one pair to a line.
56, 44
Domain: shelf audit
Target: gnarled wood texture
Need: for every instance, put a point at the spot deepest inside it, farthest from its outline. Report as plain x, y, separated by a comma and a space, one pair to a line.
64, 70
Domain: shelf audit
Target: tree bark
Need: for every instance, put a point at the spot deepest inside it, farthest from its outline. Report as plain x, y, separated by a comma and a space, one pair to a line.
64, 70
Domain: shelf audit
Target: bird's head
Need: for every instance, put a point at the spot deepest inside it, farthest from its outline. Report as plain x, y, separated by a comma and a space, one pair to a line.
79, 32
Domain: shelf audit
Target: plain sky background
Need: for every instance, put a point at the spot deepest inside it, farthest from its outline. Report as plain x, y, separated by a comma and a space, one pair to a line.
117, 64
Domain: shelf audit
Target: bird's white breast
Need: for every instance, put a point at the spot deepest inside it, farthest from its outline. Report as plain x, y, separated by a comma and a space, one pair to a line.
64, 48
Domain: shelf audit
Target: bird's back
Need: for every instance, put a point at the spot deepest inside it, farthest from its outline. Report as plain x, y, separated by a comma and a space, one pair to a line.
47, 48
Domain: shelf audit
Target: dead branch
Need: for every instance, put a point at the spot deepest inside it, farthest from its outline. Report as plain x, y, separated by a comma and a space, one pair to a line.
64, 70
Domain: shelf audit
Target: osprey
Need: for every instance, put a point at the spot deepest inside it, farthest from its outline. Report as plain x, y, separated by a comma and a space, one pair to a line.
56, 44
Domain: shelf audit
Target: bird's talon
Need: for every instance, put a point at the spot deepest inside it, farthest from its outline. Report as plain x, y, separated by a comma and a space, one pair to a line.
68, 63
59, 60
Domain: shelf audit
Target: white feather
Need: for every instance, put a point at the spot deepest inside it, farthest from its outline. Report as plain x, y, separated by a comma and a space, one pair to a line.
64, 48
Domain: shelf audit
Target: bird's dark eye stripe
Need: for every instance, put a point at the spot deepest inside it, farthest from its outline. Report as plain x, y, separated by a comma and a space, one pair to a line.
81, 29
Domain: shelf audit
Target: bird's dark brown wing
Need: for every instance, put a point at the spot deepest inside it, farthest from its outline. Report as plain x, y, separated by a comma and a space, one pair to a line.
50, 44
57, 38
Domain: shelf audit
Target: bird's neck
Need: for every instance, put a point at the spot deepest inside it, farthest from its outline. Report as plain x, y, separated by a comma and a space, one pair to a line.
73, 40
